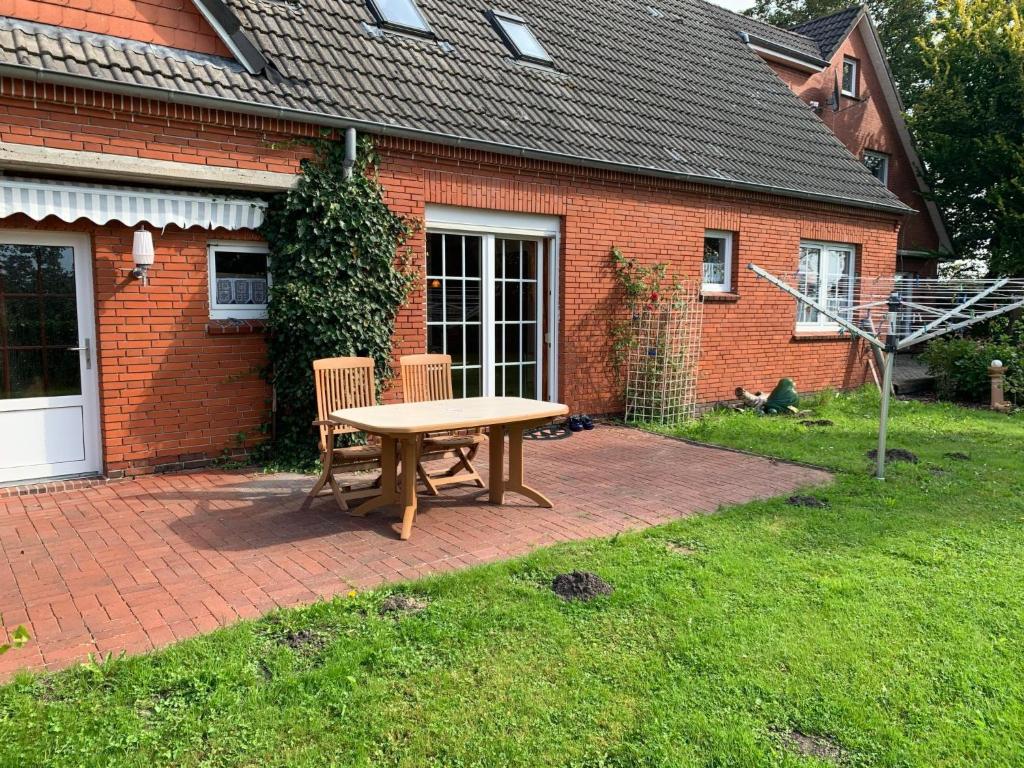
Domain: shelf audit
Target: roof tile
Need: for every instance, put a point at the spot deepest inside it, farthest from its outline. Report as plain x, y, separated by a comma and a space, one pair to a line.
829, 31
677, 94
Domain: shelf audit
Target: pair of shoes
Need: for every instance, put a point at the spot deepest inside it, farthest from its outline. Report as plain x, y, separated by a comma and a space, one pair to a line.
579, 423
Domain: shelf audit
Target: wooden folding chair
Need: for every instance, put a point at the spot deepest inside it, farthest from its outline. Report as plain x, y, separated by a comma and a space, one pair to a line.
343, 382
429, 377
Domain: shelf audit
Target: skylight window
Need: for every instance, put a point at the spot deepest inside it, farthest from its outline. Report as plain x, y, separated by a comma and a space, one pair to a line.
519, 37
400, 14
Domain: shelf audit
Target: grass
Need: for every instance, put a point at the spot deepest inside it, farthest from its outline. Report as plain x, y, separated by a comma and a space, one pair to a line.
890, 622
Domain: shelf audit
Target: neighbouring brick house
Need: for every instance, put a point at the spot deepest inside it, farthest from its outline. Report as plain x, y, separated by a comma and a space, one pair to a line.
837, 65
527, 144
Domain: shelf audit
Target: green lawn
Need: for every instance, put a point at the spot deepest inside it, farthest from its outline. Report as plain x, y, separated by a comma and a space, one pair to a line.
891, 621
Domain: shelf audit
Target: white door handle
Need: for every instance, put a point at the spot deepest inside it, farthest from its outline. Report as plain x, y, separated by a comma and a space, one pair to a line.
88, 353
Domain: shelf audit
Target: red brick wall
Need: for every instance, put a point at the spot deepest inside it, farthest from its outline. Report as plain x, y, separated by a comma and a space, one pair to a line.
867, 124
172, 391
70, 118
171, 388
174, 23
749, 338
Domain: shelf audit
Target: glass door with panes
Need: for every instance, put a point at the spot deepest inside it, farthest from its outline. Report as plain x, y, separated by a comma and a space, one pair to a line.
49, 404
485, 309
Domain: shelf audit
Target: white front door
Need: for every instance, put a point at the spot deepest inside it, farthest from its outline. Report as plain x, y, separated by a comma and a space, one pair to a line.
49, 395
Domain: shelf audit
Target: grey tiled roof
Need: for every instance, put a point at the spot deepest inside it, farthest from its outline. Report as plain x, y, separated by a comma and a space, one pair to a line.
784, 37
829, 31
673, 93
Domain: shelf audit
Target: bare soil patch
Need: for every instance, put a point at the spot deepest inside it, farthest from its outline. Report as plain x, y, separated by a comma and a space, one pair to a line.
678, 548
580, 585
807, 501
895, 454
813, 745
304, 640
401, 605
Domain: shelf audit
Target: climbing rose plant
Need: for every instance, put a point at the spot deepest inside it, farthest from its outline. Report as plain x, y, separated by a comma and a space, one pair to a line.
337, 283
643, 287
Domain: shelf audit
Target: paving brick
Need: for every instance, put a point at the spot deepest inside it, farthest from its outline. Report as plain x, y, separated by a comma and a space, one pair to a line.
258, 550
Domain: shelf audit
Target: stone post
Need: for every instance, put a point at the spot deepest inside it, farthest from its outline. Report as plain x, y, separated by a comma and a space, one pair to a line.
996, 373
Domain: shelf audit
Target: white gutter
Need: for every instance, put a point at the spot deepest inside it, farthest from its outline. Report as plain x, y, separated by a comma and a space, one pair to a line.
781, 58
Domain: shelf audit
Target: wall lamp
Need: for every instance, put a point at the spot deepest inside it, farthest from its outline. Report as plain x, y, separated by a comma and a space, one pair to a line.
142, 254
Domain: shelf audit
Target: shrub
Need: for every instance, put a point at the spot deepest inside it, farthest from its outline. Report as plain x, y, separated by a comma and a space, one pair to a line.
960, 365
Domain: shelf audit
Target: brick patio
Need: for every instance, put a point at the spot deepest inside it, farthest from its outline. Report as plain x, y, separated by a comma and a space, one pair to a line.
139, 564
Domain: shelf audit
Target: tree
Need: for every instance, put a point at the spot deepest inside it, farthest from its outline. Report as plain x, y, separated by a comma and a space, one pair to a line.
900, 23
969, 125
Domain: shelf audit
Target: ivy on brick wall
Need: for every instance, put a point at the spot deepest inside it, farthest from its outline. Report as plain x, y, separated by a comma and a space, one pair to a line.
337, 283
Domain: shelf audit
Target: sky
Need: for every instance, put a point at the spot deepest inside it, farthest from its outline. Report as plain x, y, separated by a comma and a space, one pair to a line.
734, 5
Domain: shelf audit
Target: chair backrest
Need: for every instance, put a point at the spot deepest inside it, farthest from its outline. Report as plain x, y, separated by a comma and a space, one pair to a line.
342, 382
426, 377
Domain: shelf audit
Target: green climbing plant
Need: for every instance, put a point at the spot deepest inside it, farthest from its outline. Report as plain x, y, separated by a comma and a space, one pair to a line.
652, 341
642, 286
338, 279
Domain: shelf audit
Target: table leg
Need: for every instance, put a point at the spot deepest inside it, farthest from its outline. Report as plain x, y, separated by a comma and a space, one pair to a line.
409, 456
496, 463
388, 479
515, 468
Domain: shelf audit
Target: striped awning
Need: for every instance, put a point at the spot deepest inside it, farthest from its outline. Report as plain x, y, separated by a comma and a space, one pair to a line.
100, 204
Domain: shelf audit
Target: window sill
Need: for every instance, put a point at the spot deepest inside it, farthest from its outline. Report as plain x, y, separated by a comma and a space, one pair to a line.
235, 327
719, 296
822, 334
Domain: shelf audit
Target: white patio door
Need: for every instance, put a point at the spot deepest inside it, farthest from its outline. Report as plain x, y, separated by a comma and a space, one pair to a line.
485, 308
49, 396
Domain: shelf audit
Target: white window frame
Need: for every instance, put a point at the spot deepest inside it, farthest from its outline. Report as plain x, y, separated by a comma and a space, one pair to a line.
856, 77
885, 164
826, 325
494, 225
726, 286
233, 311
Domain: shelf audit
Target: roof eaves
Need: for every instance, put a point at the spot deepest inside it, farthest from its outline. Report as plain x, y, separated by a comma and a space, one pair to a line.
892, 206
227, 26
756, 42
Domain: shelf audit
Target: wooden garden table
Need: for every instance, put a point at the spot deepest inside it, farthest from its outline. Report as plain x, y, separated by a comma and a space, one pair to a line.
406, 423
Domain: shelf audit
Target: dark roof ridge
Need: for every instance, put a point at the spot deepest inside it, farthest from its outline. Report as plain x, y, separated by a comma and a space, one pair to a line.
816, 19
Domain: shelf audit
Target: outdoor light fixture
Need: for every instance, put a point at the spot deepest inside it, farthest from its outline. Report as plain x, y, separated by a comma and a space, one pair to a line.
142, 254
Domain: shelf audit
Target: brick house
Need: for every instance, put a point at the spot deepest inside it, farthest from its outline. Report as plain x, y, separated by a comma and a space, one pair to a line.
837, 65
527, 144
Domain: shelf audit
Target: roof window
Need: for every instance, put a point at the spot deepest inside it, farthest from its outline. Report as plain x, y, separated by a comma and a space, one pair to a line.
402, 15
519, 37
